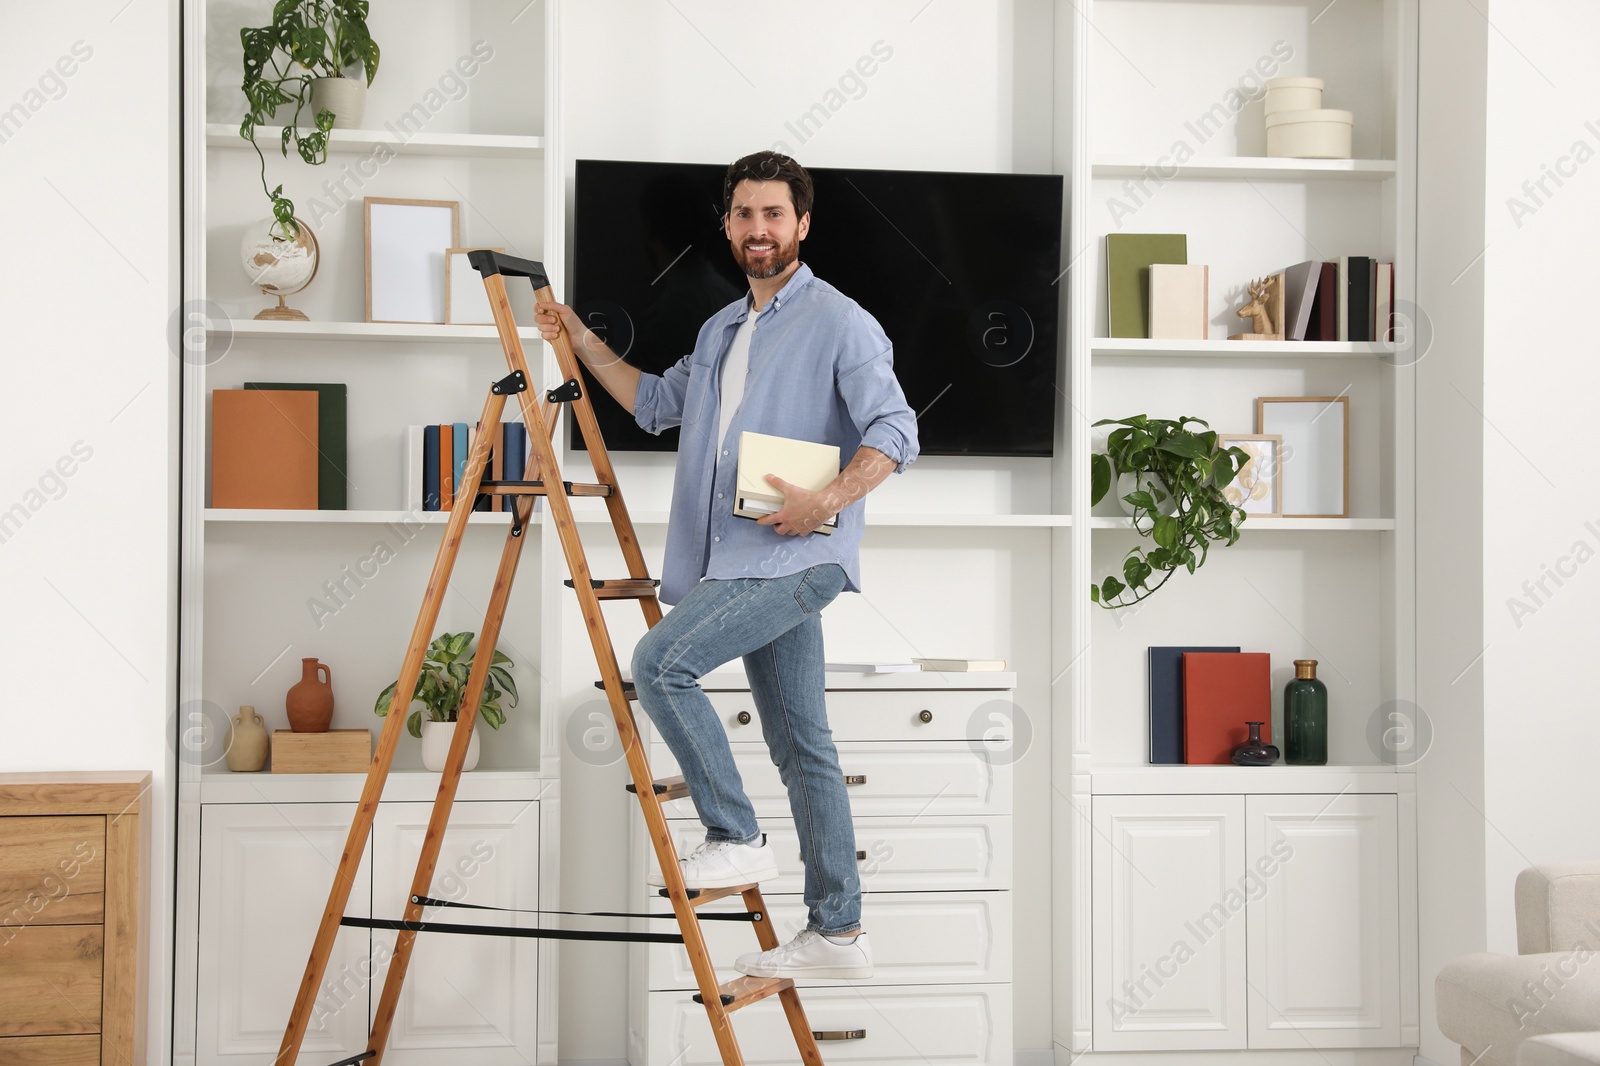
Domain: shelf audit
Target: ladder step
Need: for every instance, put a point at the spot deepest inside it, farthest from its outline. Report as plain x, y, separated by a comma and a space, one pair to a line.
698, 896
743, 991
621, 588
537, 488
666, 788
628, 691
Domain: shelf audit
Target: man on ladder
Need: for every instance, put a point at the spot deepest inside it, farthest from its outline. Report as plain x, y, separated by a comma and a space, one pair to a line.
818, 368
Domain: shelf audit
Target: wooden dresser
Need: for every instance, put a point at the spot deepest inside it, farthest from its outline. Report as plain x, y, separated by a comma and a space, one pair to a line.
73, 927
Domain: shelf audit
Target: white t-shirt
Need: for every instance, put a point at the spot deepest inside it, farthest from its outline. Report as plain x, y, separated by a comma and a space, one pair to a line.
734, 369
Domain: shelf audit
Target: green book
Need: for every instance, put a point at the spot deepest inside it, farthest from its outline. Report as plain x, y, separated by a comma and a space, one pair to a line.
332, 470
1128, 259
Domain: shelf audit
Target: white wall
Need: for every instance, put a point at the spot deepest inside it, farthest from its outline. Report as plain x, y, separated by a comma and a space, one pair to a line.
88, 165
1450, 494
964, 87
1505, 403
1541, 498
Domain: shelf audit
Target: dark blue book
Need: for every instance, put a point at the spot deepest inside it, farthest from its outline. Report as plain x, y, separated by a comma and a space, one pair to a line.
1166, 703
430, 468
516, 460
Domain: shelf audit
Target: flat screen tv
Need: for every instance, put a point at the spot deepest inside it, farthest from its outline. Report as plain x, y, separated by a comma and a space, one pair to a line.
962, 271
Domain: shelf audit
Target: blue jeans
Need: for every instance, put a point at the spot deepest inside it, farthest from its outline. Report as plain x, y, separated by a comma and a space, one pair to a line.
775, 624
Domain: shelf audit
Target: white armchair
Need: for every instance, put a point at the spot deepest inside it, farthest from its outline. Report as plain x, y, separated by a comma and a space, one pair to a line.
1494, 1005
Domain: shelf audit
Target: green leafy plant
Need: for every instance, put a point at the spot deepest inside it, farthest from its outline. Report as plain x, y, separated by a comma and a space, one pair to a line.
443, 684
1179, 502
306, 40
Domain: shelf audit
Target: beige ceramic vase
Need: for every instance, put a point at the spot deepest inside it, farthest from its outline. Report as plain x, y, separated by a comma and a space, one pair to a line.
247, 742
310, 700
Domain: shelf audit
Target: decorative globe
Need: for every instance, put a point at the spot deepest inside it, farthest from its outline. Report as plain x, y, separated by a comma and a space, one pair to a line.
279, 265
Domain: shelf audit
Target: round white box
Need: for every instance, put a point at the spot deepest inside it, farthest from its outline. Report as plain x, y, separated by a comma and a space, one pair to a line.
1293, 94
1309, 134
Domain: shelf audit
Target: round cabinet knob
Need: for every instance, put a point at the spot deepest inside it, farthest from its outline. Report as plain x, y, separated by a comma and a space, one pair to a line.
925, 716
744, 717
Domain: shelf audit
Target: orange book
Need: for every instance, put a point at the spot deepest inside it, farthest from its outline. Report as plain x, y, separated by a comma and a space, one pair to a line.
447, 464
264, 448
1221, 692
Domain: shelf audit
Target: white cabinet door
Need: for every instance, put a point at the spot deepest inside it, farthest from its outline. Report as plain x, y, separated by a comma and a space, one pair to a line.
1169, 923
1324, 922
469, 1000
265, 872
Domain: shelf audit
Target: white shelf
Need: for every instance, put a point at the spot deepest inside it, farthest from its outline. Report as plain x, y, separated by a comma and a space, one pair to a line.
595, 512
429, 518
366, 331
480, 145
1140, 780
1137, 347
220, 786
1259, 167
1298, 525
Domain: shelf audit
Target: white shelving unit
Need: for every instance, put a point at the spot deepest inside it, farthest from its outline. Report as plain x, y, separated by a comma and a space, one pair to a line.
1146, 83
462, 109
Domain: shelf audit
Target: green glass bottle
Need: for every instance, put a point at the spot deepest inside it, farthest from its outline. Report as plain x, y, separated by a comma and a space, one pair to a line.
1305, 717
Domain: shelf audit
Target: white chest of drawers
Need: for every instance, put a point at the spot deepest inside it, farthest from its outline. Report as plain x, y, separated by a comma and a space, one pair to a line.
929, 759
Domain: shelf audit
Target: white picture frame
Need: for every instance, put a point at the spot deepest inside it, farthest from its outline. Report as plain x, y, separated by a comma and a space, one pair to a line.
1315, 458
1257, 489
466, 301
405, 257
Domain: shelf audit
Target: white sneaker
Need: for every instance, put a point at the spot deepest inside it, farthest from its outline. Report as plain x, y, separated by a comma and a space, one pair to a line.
810, 954
724, 864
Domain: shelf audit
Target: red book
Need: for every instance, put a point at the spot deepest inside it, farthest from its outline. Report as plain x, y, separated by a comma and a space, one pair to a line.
1324, 324
1221, 692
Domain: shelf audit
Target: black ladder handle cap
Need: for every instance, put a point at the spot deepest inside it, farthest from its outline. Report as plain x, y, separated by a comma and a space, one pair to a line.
489, 263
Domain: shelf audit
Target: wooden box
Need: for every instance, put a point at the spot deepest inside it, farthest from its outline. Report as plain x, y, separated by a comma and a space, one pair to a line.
338, 751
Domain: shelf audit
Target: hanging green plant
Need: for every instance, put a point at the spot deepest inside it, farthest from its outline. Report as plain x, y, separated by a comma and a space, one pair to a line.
1177, 495
306, 40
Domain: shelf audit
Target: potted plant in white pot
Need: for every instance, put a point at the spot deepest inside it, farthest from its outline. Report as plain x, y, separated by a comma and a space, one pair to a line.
305, 58
440, 688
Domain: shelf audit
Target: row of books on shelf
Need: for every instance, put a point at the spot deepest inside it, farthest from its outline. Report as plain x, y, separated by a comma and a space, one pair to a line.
1201, 701
435, 465
1153, 291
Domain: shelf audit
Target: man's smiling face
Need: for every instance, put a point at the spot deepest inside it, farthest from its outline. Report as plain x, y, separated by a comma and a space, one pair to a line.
762, 228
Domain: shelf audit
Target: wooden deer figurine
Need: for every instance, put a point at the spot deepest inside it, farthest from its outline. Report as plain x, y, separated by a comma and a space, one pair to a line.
1265, 299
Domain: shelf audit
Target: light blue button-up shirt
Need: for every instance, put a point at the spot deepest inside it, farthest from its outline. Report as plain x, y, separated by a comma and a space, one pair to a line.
821, 369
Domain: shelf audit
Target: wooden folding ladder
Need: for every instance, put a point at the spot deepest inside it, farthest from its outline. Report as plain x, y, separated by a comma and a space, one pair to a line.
545, 480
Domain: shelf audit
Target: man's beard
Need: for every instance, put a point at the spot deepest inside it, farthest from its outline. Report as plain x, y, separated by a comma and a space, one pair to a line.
772, 265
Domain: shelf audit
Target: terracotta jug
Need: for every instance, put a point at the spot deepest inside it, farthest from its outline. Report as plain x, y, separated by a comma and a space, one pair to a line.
310, 701
247, 743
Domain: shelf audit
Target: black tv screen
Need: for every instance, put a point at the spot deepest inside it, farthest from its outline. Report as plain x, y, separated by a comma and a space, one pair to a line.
960, 269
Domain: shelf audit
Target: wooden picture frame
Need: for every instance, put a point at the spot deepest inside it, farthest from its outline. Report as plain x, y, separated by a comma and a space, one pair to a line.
405, 242
466, 301
1258, 487
1315, 463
